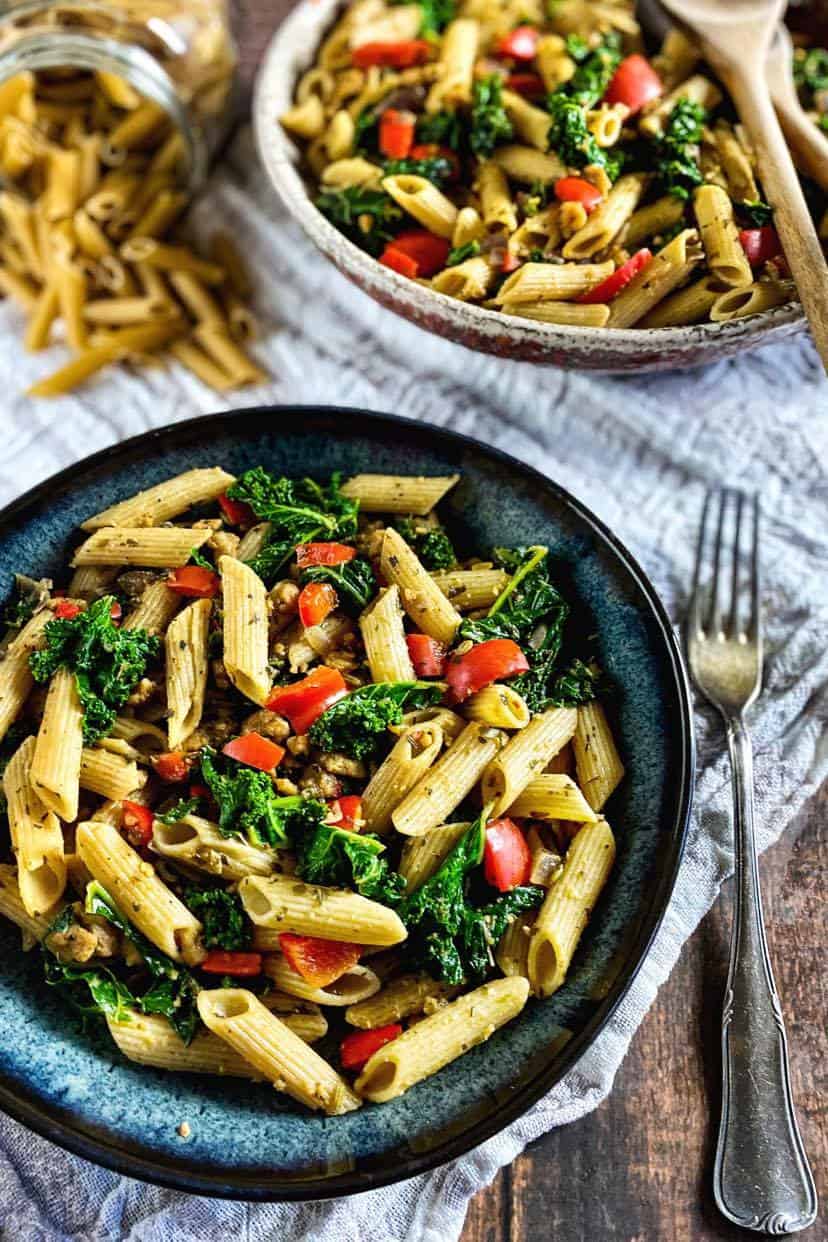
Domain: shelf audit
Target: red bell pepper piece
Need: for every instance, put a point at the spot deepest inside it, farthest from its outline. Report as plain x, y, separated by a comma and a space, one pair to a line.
193, 581
199, 791
396, 133
136, 821
507, 859
760, 244
318, 961
225, 962
427, 655
634, 84
482, 664
357, 1048
430, 151
115, 610
306, 699
171, 766
612, 285
237, 512
316, 601
578, 190
428, 252
66, 609
521, 43
346, 812
256, 751
530, 85
323, 554
510, 262
401, 55
398, 262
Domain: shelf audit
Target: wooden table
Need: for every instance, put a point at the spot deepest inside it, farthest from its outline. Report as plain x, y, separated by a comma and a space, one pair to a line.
638, 1169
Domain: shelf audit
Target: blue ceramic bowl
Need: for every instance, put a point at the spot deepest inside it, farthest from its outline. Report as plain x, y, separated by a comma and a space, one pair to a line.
246, 1141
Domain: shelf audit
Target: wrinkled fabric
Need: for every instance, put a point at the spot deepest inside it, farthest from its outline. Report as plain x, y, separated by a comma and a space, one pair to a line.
640, 451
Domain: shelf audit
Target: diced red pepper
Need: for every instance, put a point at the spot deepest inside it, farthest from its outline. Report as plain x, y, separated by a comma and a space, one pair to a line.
401, 55
431, 150
609, 288
396, 133
66, 609
634, 83
306, 699
427, 655
316, 601
318, 961
171, 766
115, 610
225, 962
357, 1048
198, 791
578, 190
398, 262
520, 44
428, 251
136, 822
194, 581
323, 554
510, 262
348, 812
530, 85
482, 664
237, 512
507, 859
256, 751
760, 244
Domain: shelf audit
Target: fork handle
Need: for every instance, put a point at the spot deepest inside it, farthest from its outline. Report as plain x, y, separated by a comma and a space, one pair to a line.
761, 1178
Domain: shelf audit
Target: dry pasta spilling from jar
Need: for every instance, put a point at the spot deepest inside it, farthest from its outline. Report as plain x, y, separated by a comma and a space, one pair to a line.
245, 757
93, 196
541, 166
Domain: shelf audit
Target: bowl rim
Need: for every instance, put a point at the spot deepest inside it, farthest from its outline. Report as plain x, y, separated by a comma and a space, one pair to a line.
279, 155
128, 1158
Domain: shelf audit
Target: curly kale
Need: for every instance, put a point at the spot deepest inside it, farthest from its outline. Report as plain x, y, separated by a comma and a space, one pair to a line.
108, 662
222, 916
338, 858
570, 137
363, 214
298, 510
354, 581
677, 150
436, 15
357, 724
435, 168
444, 129
431, 543
459, 254
594, 68
489, 123
248, 805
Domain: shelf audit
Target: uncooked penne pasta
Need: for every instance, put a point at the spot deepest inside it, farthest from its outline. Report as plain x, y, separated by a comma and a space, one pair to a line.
186, 668
328, 913
37, 839
245, 629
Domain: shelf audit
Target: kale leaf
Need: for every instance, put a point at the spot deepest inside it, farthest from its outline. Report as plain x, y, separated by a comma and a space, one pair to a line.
92, 990
489, 122
482, 927
575, 685
435, 168
529, 610
363, 214
444, 129
571, 139
758, 214
174, 990
677, 149
354, 580
810, 70
356, 725
459, 254
594, 68
336, 857
436, 15
248, 805
197, 557
222, 915
107, 662
431, 543
298, 510
180, 809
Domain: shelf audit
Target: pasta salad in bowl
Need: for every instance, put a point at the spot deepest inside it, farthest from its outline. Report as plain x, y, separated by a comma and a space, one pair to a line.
304, 789
547, 174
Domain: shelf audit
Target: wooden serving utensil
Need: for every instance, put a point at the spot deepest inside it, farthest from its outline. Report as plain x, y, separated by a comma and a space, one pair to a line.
735, 36
806, 140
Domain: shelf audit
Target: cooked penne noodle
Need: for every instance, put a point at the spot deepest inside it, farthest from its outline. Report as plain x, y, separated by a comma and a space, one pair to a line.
199, 842
457, 61
750, 299
696, 89
608, 218
527, 165
421, 856
153, 546
539, 282
16, 679
422, 200
412, 755
401, 998
498, 705
599, 766
496, 205
447, 783
726, 256
165, 500
529, 123
469, 589
186, 669
465, 281
32, 926
108, 774
421, 597
56, 760
525, 755
552, 796
671, 267
356, 983
150, 1040
36, 836
328, 913
388, 493
512, 952
591, 315
90, 582
386, 651
245, 629
154, 610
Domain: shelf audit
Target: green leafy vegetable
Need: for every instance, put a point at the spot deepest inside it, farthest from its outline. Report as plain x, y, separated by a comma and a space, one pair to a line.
298, 510
594, 68
431, 543
489, 123
222, 915
436, 15
444, 129
677, 149
811, 71
174, 990
435, 168
197, 557
107, 662
575, 685
248, 804
338, 858
362, 214
366, 133
482, 927
92, 990
758, 214
180, 809
570, 137
354, 580
356, 725
530, 610
459, 254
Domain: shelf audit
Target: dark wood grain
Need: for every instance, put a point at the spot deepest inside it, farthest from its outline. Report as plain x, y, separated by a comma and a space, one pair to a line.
638, 1169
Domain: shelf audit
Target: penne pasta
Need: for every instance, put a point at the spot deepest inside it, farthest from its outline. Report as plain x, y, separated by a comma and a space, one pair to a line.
421, 597
36, 836
245, 629
186, 669
447, 783
309, 910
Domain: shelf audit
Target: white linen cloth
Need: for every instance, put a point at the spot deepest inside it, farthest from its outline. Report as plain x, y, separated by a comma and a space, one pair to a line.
640, 451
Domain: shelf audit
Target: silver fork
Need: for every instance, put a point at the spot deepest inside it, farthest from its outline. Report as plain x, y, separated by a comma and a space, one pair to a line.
761, 1177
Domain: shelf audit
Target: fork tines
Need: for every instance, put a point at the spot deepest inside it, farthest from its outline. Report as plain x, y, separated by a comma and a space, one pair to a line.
729, 545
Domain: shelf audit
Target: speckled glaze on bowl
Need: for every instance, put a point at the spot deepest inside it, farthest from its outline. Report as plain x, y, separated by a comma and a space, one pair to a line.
293, 50
246, 1141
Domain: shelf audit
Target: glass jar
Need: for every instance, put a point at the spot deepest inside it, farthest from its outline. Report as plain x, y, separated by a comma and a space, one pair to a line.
178, 53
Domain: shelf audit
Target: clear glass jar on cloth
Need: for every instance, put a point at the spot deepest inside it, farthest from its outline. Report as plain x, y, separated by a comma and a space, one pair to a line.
177, 54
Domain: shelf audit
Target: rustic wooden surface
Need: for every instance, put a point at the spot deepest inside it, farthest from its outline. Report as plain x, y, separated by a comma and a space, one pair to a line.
638, 1169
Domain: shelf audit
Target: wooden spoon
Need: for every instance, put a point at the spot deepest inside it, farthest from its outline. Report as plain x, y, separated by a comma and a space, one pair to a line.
735, 36
806, 140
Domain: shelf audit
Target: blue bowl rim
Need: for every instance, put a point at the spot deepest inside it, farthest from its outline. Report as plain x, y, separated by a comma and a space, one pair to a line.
177, 1173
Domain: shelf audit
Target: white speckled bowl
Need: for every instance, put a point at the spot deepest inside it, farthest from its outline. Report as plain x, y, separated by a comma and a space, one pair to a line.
291, 51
